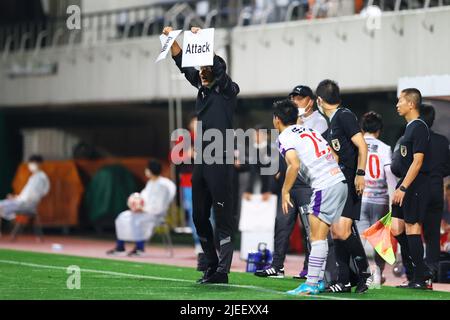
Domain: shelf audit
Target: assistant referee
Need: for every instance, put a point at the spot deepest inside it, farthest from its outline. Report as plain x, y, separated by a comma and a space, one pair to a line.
411, 163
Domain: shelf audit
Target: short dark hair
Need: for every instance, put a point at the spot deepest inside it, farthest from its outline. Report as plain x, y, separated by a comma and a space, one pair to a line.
36, 158
371, 122
286, 111
413, 95
329, 91
155, 167
427, 114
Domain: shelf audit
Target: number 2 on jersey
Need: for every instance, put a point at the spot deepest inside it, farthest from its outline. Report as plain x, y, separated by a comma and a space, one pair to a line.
315, 141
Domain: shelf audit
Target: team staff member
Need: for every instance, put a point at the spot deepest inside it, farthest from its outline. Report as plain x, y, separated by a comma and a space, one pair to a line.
347, 140
410, 199
212, 184
309, 117
303, 99
380, 183
439, 169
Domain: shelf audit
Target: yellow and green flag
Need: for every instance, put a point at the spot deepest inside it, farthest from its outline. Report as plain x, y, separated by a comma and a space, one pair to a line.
380, 237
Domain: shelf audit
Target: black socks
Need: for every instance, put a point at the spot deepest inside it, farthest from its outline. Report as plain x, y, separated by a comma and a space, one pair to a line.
406, 257
416, 253
356, 250
343, 259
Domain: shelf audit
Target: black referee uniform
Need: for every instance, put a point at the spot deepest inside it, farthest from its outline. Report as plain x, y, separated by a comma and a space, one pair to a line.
413, 210
343, 126
212, 184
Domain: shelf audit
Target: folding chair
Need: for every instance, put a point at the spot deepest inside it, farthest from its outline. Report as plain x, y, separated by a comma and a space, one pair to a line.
163, 229
22, 220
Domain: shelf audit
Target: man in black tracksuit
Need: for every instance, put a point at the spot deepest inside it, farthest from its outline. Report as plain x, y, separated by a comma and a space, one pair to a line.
213, 177
439, 169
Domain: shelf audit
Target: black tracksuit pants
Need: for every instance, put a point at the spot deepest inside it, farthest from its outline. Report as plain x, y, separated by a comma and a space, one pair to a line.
285, 223
212, 187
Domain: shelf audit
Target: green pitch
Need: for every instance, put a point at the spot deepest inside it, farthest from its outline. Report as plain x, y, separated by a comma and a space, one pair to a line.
27, 275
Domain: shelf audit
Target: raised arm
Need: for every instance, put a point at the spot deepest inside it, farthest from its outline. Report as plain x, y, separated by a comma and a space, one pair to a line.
190, 73
226, 85
219, 68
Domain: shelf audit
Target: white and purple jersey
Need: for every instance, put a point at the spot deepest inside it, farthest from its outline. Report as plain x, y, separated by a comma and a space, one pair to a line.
315, 121
318, 168
378, 173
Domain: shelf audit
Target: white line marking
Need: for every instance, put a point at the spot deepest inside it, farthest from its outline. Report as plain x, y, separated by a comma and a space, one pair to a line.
130, 275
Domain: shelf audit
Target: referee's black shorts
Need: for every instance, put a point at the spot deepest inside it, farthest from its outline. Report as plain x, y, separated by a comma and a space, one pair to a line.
415, 202
352, 208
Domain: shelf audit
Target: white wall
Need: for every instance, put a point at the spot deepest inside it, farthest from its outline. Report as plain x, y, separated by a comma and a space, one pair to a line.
104, 73
50, 143
359, 63
262, 63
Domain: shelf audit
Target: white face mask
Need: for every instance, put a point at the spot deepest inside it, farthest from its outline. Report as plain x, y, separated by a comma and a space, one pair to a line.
33, 167
320, 107
301, 111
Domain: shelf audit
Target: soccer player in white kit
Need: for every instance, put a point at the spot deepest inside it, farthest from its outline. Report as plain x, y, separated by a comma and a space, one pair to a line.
380, 182
307, 153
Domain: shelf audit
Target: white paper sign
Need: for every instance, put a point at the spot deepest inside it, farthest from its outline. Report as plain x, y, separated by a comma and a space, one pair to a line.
166, 43
198, 48
258, 215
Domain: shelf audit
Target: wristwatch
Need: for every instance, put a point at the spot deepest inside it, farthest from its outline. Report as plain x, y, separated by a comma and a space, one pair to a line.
360, 172
402, 188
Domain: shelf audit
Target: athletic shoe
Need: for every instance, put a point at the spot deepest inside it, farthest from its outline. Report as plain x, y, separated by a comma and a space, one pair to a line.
302, 274
270, 272
376, 283
321, 286
207, 273
429, 284
216, 277
115, 252
419, 285
428, 278
135, 253
339, 288
403, 285
304, 289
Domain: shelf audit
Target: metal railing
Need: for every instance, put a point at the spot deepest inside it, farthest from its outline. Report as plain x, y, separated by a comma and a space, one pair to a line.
117, 25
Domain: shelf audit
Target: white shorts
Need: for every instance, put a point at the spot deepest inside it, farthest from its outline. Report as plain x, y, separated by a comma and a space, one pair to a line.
370, 214
136, 226
328, 204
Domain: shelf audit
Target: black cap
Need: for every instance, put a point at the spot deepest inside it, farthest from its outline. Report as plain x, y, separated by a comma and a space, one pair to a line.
303, 91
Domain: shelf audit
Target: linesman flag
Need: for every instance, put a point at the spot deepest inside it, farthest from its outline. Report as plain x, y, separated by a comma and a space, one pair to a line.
380, 237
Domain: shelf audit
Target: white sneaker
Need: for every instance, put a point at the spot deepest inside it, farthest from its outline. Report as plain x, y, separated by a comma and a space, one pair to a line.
376, 283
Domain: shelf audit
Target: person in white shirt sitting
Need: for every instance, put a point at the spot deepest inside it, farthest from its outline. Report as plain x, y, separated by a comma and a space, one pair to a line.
29, 198
137, 224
